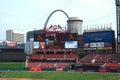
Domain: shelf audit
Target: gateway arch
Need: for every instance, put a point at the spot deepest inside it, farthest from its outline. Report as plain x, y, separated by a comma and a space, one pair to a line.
58, 10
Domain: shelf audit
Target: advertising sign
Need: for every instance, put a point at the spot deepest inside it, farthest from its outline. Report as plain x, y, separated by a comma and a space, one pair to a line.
42, 45
11, 44
36, 45
97, 44
100, 36
71, 44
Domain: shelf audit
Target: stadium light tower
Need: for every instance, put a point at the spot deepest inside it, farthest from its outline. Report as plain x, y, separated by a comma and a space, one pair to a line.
117, 2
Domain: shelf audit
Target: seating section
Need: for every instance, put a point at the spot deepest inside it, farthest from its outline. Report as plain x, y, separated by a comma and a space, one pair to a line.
59, 54
47, 65
60, 60
115, 58
96, 58
112, 65
88, 58
71, 56
32, 64
61, 65
53, 56
36, 56
102, 58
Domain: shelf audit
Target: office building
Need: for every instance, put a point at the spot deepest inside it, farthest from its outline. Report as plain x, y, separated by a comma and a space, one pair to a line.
15, 35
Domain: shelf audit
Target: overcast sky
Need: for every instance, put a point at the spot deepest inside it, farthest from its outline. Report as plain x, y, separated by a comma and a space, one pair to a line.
29, 14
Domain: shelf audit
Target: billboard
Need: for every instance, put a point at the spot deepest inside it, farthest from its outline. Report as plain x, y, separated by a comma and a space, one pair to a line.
98, 46
42, 45
86, 45
99, 36
71, 44
36, 45
11, 44
107, 44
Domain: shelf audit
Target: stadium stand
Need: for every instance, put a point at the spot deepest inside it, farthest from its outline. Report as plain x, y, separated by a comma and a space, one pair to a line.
99, 58
47, 65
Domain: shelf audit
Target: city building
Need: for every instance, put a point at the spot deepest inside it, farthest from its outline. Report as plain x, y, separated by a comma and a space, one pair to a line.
15, 35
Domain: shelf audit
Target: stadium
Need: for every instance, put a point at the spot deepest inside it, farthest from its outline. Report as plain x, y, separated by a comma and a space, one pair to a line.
65, 53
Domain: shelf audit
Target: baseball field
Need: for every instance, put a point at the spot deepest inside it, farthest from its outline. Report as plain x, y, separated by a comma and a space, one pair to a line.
51, 75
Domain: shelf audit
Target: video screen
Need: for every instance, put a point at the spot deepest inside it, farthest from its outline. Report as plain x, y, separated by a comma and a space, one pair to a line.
39, 37
71, 36
42, 45
71, 44
36, 45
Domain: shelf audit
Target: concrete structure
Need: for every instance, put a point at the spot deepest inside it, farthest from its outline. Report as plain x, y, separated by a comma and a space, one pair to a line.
75, 25
15, 35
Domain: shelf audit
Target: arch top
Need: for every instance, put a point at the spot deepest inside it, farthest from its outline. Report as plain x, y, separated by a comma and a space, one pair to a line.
58, 10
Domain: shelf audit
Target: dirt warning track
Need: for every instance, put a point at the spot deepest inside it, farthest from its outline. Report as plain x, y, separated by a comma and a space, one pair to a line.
19, 79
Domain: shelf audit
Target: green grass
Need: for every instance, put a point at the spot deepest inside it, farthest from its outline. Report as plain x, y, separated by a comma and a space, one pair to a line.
52, 75
62, 75
12, 65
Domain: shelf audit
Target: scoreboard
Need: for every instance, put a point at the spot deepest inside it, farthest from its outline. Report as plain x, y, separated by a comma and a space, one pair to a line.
99, 36
99, 40
59, 40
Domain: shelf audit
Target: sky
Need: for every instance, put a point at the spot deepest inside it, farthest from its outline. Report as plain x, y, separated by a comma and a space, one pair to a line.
27, 15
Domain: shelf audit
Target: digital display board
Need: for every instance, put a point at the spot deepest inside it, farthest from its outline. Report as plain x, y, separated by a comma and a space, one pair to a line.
56, 40
99, 36
42, 45
66, 37
71, 44
50, 36
60, 37
39, 37
36, 45
71, 36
